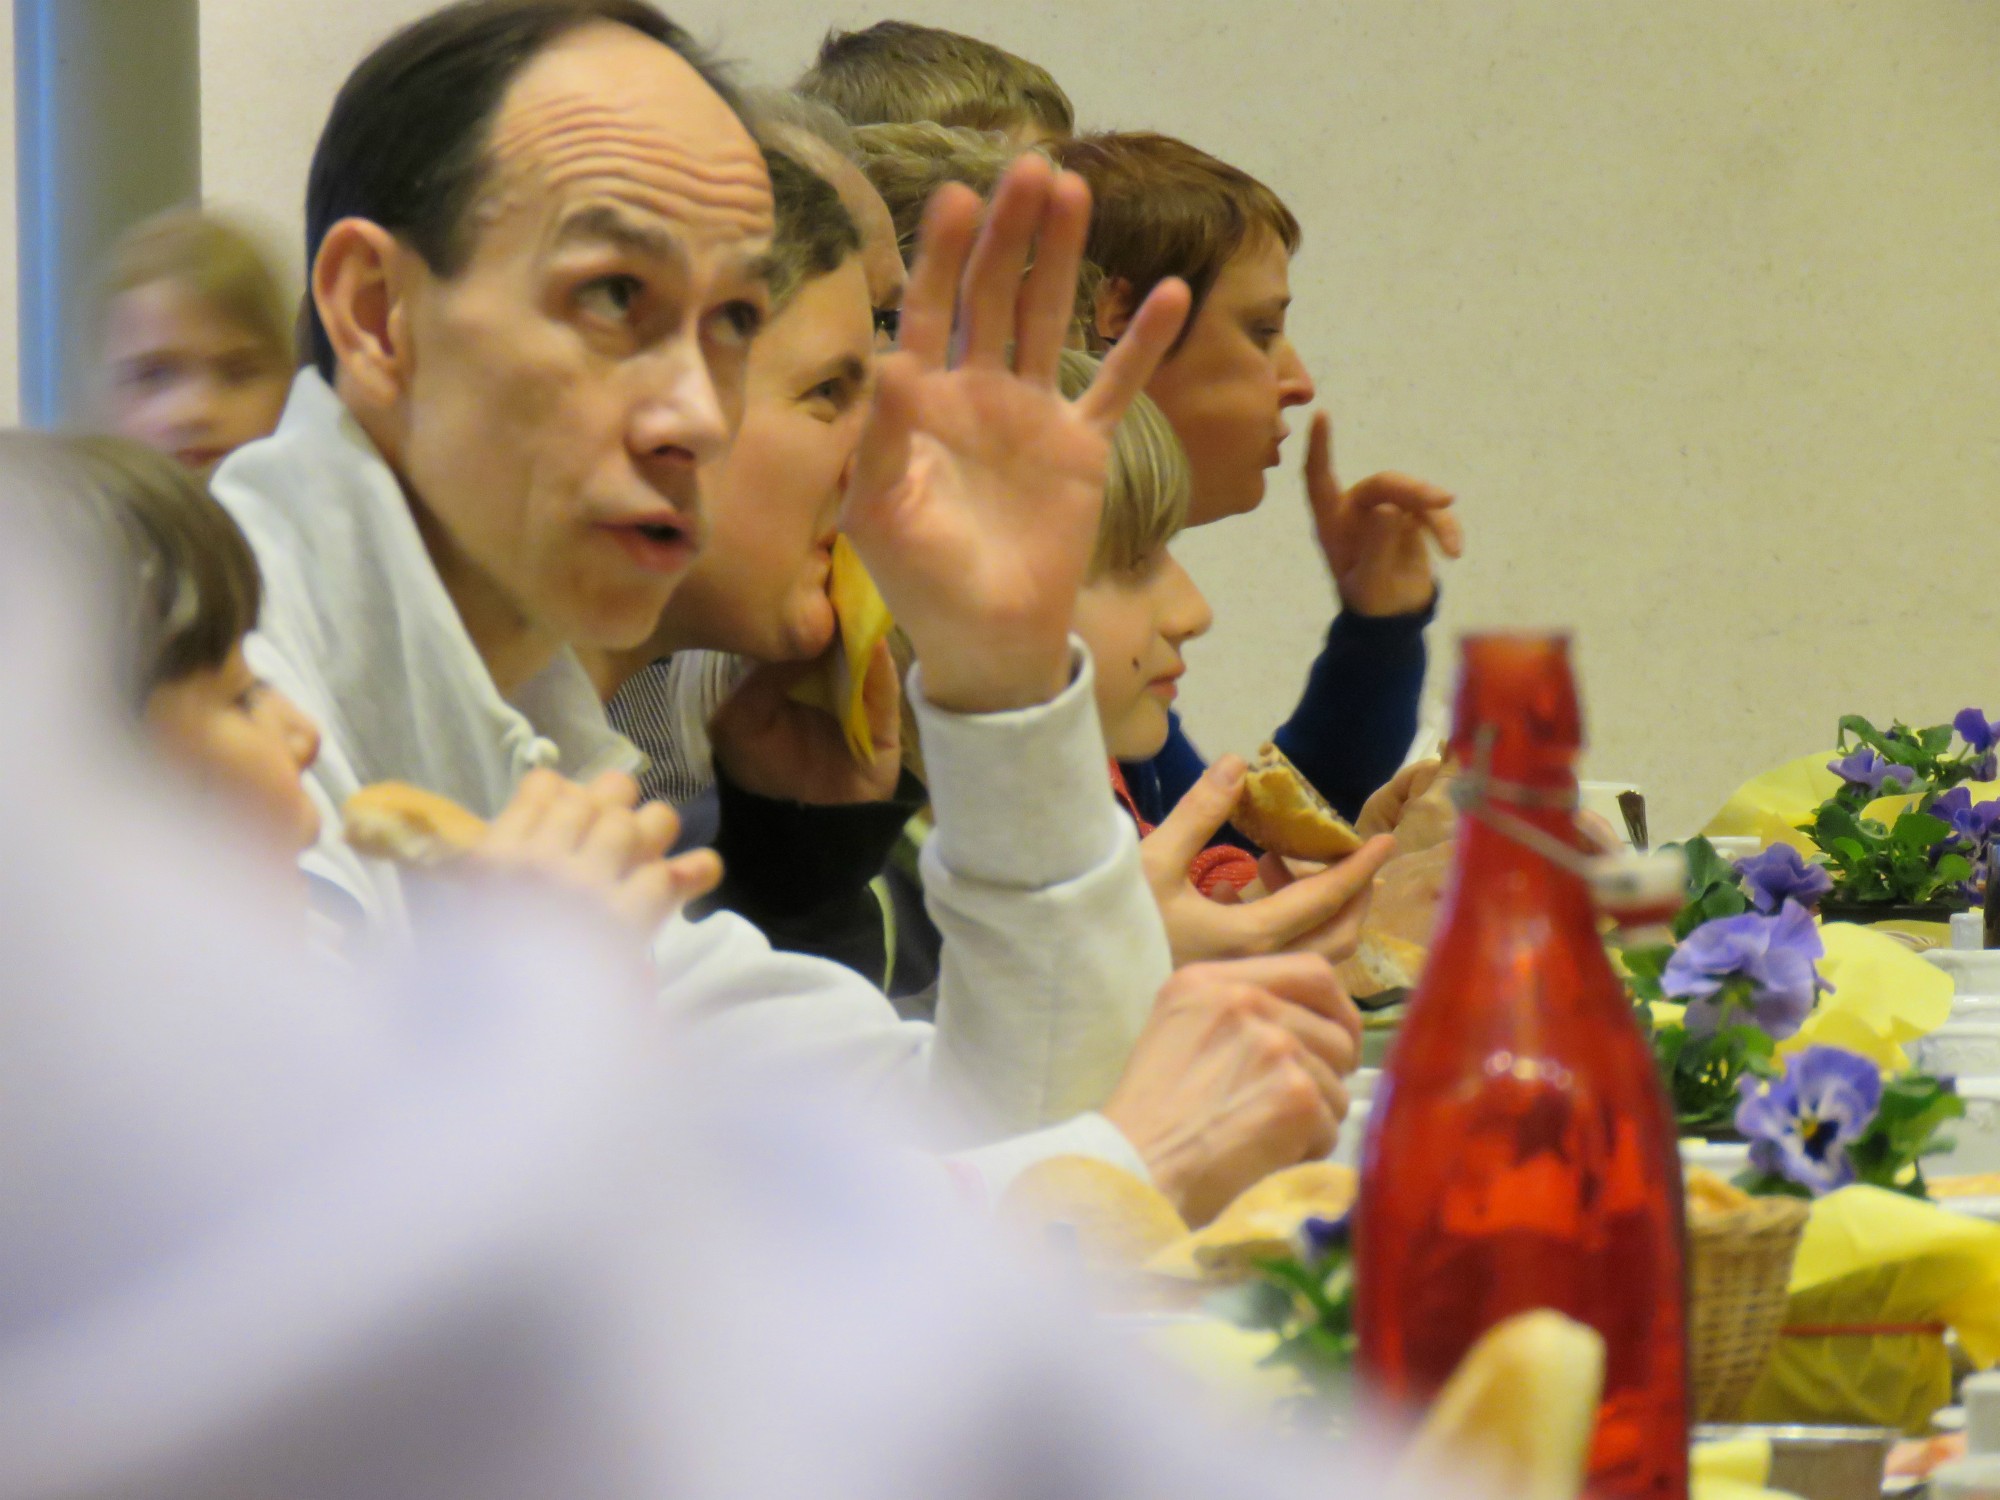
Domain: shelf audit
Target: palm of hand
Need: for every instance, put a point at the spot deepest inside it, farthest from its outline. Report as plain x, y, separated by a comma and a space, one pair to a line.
999, 499
1379, 554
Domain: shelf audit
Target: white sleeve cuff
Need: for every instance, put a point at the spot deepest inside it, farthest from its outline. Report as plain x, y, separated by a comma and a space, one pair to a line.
1023, 798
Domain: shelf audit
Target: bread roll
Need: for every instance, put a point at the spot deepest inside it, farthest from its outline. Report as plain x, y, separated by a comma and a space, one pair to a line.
396, 821
1282, 814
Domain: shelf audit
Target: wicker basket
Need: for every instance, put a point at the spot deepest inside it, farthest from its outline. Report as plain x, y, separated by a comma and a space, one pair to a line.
1739, 1264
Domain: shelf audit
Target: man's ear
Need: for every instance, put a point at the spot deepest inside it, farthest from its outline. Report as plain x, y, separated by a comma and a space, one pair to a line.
1113, 313
360, 286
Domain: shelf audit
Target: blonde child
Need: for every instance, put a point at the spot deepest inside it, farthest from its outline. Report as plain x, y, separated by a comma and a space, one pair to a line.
196, 338
1136, 612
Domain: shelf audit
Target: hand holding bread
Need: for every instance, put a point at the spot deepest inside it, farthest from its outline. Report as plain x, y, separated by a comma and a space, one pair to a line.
592, 838
1320, 912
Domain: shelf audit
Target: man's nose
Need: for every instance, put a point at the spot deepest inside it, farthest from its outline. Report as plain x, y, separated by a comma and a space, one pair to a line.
683, 412
1295, 382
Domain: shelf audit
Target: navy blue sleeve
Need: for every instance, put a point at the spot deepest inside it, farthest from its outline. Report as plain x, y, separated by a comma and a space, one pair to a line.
1358, 714
1157, 785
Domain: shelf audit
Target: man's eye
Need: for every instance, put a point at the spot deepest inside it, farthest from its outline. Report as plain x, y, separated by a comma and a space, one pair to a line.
611, 297
888, 323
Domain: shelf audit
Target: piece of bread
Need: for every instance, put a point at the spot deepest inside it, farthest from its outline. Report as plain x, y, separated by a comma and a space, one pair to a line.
1392, 963
1260, 1223
1517, 1413
1709, 1194
1282, 814
1113, 1220
396, 821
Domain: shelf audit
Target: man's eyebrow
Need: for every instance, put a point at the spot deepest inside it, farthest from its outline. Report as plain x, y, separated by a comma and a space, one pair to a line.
607, 225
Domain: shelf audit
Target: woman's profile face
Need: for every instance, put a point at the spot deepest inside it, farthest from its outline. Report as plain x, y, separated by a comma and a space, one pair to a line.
187, 379
1226, 389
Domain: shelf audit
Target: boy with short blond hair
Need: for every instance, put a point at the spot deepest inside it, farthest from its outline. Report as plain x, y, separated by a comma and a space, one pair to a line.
899, 72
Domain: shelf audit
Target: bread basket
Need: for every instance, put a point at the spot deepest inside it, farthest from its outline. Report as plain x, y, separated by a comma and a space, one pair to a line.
1739, 1265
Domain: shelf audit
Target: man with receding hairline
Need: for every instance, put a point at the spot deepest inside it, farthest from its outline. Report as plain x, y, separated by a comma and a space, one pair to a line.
538, 232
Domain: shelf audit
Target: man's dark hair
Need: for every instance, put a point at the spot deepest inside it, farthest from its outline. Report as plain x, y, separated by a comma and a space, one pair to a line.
405, 145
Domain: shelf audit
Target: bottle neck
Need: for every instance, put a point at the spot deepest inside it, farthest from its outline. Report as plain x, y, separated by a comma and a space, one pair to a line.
1502, 871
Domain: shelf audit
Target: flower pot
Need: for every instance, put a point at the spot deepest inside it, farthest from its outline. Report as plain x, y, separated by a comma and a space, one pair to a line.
1866, 913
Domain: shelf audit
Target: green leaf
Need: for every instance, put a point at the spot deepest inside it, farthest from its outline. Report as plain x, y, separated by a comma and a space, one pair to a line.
1935, 740
1918, 831
1850, 850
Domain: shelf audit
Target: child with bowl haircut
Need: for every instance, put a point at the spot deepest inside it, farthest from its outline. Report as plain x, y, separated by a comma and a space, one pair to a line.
196, 338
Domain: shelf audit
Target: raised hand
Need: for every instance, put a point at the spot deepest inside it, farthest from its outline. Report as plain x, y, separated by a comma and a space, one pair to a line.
1317, 913
1377, 536
977, 487
775, 747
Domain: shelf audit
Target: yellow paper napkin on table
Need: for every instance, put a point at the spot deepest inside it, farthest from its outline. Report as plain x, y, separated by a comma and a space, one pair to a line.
1883, 996
1898, 1271
864, 623
1771, 805
1744, 1462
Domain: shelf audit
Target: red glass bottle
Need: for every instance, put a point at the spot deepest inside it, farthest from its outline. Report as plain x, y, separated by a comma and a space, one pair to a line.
1521, 1151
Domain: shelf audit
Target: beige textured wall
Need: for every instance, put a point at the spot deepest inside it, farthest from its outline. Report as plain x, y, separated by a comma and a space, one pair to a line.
1696, 303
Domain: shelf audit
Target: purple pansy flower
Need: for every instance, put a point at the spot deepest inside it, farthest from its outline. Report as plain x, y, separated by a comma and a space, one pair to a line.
1777, 956
1977, 730
1865, 768
1782, 874
1318, 1238
1973, 822
1800, 1126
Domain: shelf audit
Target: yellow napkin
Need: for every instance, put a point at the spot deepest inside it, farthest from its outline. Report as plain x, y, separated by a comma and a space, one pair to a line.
1872, 1258
1744, 1461
864, 622
1771, 806
1883, 995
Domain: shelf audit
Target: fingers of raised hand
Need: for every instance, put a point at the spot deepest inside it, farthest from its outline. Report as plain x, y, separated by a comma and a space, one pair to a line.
930, 300
1322, 484
1048, 297
993, 276
882, 457
1131, 363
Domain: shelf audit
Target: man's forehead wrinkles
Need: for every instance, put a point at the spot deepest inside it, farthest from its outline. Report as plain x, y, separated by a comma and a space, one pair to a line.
538, 136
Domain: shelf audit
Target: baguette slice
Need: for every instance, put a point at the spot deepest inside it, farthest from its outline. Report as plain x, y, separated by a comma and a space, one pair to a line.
1393, 963
1283, 814
1517, 1413
396, 821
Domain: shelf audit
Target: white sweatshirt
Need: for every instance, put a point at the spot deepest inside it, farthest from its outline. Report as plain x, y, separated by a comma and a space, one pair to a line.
1053, 946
